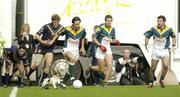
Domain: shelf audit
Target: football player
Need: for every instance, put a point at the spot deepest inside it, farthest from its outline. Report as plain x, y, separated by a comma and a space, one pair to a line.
102, 39
73, 46
47, 37
161, 42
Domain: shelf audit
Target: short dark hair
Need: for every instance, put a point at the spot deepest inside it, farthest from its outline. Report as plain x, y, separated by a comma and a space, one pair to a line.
55, 17
76, 18
162, 17
22, 46
108, 16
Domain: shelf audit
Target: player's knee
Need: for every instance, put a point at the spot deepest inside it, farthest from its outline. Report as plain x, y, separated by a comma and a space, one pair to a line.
48, 66
21, 72
73, 60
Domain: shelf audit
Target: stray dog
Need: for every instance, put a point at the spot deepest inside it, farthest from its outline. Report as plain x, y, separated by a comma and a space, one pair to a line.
54, 80
59, 69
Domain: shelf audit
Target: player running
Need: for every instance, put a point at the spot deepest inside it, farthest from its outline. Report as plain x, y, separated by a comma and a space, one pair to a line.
102, 39
46, 36
161, 42
73, 46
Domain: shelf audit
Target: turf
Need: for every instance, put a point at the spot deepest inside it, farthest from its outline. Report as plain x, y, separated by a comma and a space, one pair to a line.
5, 92
92, 91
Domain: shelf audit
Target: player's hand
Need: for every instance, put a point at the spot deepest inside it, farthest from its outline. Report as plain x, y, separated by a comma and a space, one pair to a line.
116, 42
49, 43
53, 35
45, 43
103, 48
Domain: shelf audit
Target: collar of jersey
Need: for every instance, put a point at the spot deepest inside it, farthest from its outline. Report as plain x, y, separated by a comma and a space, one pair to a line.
106, 29
162, 31
69, 28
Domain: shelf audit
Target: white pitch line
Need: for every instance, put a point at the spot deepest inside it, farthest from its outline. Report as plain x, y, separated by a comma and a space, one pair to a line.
13, 92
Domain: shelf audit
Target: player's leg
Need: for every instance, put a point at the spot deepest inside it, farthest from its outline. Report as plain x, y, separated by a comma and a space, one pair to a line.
36, 60
108, 62
165, 64
26, 68
47, 63
20, 68
102, 72
152, 71
7, 76
71, 58
93, 66
100, 56
101, 65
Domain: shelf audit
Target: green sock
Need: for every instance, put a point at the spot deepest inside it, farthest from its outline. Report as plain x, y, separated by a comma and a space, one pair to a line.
66, 77
72, 70
70, 74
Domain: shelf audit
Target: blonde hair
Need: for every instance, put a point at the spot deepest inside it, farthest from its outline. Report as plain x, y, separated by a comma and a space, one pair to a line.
23, 26
55, 17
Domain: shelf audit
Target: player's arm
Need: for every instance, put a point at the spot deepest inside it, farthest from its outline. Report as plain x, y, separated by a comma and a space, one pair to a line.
146, 43
174, 41
82, 43
146, 40
38, 35
56, 35
114, 40
94, 39
173, 35
95, 34
147, 35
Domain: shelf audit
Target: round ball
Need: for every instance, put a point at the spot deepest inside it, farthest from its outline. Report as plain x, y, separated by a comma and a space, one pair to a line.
77, 84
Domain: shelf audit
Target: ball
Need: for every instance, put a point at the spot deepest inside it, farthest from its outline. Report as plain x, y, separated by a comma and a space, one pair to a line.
77, 84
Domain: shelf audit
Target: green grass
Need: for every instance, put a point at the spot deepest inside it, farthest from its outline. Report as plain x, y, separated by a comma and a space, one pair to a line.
5, 92
92, 91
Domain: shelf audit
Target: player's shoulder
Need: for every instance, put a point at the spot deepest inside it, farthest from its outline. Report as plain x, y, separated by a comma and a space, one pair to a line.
82, 28
168, 28
102, 26
46, 25
68, 28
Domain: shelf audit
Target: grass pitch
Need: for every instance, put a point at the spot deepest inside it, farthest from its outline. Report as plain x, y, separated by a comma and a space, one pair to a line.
92, 91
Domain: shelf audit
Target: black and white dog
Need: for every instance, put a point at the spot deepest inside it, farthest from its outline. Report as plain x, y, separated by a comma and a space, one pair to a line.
59, 69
